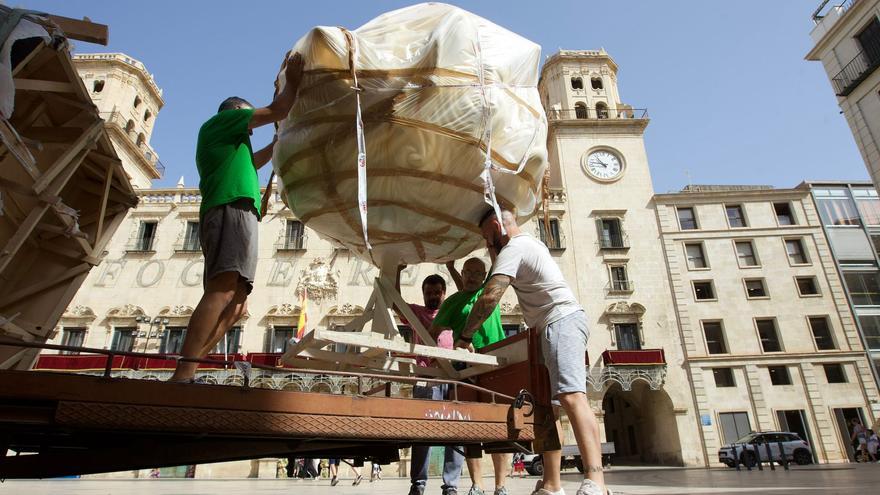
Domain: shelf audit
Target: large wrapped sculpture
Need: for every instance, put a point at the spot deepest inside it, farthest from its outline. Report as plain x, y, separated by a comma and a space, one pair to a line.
451, 123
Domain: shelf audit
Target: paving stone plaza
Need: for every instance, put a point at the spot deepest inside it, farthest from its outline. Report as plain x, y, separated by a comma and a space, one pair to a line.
837, 479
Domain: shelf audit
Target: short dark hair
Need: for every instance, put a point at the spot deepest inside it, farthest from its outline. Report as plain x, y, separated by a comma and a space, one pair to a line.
434, 280
233, 102
489, 214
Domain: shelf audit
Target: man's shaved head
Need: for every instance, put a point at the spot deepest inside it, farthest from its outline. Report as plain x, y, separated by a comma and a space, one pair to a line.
473, 274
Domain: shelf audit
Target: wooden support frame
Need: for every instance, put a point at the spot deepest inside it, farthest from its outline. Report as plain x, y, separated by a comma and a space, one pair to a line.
381, 346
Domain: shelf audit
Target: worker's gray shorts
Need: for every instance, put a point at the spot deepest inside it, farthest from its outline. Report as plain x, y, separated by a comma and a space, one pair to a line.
563, 347
228, 234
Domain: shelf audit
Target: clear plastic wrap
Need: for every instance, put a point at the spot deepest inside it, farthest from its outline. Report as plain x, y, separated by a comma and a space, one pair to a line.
437, 87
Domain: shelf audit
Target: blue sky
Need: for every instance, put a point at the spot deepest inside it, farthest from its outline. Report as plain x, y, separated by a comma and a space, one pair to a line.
731, 98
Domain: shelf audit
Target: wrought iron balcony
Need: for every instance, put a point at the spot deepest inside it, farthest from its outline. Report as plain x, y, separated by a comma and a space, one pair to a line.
584, 113
620, 287
620, 241
291, 243
627, 367
141, 245
188, 245
857, 70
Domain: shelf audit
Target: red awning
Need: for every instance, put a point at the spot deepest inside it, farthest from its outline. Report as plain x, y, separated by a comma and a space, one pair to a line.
634, 358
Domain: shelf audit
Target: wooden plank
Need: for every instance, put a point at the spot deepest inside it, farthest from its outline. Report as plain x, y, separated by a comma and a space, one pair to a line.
10, 137
41, 85
82, 29
390, 364
89, 107
383, 317
50, 134
5, 365
30, 56
14, 243
414, 322
88, 137
373, 340
104, 202
308, 341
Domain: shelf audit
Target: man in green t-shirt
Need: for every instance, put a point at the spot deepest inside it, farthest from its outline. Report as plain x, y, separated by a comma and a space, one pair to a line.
229, 214
453, 314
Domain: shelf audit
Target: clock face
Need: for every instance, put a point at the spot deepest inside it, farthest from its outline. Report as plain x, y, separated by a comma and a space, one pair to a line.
604, 165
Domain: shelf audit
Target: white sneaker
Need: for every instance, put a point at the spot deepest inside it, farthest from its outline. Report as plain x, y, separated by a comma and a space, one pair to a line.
539, 490
590, 487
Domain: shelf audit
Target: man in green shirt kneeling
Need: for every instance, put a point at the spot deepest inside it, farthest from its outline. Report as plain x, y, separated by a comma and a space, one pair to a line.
453, 314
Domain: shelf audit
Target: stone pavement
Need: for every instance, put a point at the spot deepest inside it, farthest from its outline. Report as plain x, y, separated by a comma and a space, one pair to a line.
832, 479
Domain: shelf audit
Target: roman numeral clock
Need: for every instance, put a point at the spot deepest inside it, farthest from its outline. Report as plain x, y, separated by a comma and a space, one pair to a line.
603, 165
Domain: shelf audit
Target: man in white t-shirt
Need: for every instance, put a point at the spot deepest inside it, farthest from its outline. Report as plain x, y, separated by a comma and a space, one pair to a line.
549, 306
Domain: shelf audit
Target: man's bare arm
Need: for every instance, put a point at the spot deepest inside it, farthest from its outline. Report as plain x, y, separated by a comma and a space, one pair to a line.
263, 156
456, 277
280, 106
491, 296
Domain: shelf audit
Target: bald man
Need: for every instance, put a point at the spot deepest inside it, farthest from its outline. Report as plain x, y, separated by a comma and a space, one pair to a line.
549, 306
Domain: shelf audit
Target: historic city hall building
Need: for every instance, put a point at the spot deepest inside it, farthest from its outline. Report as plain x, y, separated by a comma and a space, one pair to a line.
713, 312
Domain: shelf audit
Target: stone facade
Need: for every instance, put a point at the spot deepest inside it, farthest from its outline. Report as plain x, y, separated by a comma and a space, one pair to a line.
651, 380
129, 101
846, 40
740, 311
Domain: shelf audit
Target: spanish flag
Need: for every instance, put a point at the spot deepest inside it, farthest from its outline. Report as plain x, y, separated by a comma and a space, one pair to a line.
303, 319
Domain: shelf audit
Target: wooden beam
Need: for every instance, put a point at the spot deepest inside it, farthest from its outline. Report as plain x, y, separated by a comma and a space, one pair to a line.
13, 142
41, 86
88, 137
414, 322
21, 293
9, 363
104, 202
83, 30
71, 102
48, 134
373, 340
14, 243
30, 56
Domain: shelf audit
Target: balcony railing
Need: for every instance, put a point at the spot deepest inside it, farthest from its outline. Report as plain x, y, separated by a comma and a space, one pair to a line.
141, 245
190, 245
118, 120
826, 7
614, 242
857, 70
598, 114
291, 243
620, 286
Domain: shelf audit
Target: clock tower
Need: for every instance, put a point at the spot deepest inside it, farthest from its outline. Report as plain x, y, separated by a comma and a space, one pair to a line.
602, 211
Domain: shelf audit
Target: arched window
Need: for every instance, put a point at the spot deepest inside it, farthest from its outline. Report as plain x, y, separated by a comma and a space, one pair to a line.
601, 110
596, 82
98, 86
147, 116
137, 101
580, 110
129, 126
141, 139
577, 83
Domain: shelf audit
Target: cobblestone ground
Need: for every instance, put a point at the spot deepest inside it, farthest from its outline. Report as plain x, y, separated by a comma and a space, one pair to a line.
833, 479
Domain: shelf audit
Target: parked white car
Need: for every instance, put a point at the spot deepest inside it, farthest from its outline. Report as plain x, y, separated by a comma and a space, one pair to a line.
754, 446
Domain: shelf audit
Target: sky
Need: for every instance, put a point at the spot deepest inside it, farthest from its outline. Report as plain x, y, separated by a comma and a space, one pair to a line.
730, 96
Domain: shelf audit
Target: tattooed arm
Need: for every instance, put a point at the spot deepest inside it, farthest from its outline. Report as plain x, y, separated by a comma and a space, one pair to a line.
491, 296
